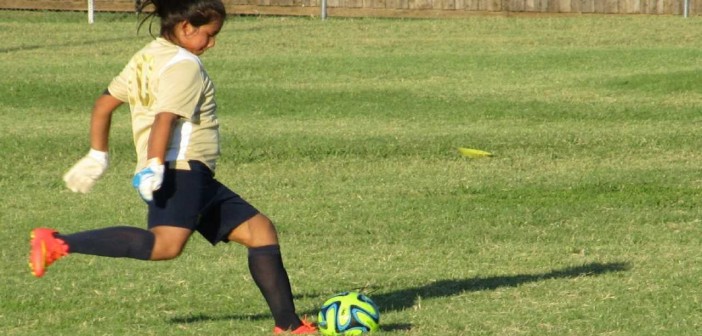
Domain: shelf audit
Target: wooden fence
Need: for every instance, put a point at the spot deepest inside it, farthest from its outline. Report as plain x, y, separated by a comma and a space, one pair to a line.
401, 8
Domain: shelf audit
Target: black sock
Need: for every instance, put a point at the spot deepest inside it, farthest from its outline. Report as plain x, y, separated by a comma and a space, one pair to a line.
266, 266
116, 242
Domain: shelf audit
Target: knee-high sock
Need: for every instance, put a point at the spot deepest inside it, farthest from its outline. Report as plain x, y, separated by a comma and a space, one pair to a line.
266, 267
116, 242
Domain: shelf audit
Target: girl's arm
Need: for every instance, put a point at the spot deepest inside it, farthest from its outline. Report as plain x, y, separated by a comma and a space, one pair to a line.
149, 179
85, 173
101, 120
160, 136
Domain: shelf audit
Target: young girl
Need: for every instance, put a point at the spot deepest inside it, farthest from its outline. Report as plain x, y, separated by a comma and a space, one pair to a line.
176, 134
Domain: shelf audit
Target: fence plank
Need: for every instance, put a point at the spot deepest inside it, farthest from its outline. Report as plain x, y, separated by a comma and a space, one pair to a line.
564, 6
515, 5
587, 6
495, 5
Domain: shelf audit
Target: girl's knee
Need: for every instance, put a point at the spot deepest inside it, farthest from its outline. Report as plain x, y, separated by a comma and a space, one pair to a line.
168, 242
166, 249
166, 252
257, 231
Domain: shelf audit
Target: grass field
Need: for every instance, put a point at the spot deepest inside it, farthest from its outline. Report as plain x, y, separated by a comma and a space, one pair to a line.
586, 221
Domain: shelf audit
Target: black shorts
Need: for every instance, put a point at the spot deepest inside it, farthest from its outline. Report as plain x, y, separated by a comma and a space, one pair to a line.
194, 200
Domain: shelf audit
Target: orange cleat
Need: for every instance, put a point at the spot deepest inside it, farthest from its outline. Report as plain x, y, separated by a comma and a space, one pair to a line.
306, 328
45, 249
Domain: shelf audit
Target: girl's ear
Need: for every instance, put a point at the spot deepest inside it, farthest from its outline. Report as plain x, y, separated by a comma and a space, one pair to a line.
187, 28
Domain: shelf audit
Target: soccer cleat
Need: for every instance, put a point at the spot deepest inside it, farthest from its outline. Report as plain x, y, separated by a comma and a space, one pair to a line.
306, 328
45, 249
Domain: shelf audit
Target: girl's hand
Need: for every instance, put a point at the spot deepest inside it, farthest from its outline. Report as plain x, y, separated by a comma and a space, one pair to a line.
149, 179
85, 173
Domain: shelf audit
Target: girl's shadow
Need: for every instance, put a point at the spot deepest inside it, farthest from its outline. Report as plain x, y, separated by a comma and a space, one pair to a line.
405, 298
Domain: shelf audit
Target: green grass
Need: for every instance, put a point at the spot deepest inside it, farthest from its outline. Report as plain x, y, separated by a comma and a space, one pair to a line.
586, 221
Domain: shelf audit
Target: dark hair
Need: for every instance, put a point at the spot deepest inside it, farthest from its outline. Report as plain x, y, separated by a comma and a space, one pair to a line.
171, 12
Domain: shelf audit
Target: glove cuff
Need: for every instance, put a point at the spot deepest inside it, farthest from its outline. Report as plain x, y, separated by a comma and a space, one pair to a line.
99, 156
154, 162
156, 165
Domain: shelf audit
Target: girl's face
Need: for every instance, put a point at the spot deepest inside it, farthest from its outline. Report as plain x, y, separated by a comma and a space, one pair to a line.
197, 39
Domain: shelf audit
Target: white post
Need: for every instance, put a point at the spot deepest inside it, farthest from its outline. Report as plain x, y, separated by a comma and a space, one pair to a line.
91, 11
686, 9
324, 10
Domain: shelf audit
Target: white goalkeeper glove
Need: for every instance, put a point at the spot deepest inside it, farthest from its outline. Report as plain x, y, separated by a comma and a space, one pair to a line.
85, 173
149, 179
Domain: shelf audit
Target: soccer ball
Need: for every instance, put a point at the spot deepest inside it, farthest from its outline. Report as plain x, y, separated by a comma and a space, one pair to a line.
348, 313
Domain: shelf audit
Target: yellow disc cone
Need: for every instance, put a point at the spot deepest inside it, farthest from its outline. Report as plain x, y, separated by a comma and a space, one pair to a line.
473, 153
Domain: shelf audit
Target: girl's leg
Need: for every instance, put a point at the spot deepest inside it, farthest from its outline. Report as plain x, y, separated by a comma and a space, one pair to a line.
169, 242
267, 270
159, 243
116, 242
256, 232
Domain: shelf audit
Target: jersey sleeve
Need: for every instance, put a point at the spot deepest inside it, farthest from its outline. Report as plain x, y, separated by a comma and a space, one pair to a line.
180, 89
119, 87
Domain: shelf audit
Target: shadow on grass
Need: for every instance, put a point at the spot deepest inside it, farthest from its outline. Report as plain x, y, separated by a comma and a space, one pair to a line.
66, 44
405, 298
